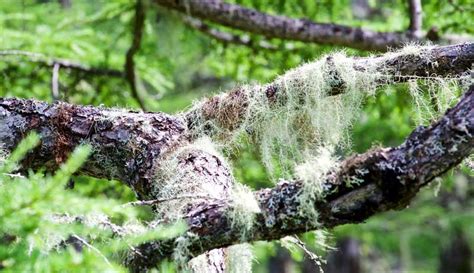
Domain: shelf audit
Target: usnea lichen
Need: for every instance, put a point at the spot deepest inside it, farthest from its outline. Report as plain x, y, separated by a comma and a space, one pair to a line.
299, 121
180, 183
239, 259
303, 115
244, 207
299, 112
313, 174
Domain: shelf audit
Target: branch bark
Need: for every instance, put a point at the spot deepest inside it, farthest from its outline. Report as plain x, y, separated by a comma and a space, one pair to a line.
129, 146
226, 37
272, 26
63, 63
388, 179
138, 25
444, 61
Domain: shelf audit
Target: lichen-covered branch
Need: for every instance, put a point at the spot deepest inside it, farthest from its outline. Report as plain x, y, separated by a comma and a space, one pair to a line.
158, 157
273, 26
229, 110
387, 178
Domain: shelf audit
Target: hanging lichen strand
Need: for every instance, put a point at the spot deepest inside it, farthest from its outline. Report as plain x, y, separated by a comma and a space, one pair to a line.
195, 173
307, 108
298, 122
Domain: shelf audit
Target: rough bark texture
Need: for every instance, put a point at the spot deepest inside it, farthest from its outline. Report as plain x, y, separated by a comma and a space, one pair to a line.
130, 146
125, 144
444, 61
272, 26
388, 179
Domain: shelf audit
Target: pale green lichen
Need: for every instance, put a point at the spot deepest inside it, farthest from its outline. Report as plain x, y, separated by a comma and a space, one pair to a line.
244, 208
239, 259
181, 254
305, 115
180, 183
432, 97
313, 174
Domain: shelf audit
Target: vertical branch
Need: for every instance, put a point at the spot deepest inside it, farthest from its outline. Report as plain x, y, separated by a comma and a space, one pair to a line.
139, 23
416, 18
55, 82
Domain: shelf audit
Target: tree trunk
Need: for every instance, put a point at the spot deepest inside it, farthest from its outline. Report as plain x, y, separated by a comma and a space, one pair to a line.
457, 257
346, 258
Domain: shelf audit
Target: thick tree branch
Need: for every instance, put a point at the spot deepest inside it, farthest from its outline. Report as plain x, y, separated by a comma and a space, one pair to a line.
272, 26
441, 61
126, 144
386, 179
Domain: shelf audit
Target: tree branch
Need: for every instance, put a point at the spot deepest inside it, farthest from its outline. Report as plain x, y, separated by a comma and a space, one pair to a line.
444, 61
63, 63
387, 179
226, 37
272, 26
126, 144
139, 23
416, 17
129, 146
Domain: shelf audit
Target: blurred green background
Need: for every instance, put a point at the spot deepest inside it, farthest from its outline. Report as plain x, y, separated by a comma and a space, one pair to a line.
176, 65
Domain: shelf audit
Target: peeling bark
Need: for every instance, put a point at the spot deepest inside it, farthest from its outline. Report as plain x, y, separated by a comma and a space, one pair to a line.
273, 26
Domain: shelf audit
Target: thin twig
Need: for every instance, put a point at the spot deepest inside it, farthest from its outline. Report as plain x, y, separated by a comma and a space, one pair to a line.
91, 247
313, 256
226, 37
162, 200
138, 26
65, 64
55, 82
